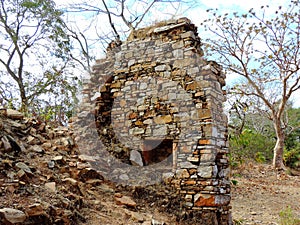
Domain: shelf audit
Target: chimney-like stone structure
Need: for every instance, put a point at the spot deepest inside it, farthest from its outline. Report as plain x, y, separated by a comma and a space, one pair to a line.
157, 101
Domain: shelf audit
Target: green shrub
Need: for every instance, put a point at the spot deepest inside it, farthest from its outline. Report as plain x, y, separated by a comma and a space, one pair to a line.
292, 157
250, 145
287, 217
238, 221
259, 157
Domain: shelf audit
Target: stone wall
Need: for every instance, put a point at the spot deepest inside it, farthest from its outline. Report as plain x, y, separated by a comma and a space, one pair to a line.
156, 100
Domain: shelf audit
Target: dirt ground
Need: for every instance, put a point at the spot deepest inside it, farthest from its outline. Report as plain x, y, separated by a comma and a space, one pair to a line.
257, 199
261, 194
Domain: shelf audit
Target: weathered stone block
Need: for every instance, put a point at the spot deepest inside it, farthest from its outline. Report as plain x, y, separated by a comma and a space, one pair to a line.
182, 174
136, 130
205, 171
163, 119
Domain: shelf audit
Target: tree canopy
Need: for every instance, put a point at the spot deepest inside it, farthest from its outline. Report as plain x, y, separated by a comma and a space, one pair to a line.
34, 53
263, 49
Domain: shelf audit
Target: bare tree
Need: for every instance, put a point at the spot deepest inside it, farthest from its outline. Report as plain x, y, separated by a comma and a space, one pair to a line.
32, 34
83, 57
132, 14
264, 50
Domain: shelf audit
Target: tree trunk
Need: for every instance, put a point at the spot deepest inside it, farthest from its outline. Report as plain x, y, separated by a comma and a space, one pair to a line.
279, 147
24, 100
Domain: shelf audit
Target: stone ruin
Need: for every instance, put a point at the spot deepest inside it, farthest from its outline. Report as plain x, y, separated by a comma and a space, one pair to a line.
157, 102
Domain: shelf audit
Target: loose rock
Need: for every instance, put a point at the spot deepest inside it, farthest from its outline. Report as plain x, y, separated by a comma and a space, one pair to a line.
51, 186
14, 114
125, 200
12, 215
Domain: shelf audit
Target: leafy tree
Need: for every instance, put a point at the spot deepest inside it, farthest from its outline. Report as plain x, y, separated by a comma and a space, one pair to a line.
263, 49
34, 52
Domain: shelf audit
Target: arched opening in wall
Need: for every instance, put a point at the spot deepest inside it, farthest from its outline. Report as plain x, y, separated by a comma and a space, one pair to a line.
157, 150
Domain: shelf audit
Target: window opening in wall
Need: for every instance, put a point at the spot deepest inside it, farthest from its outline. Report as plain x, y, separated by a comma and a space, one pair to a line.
157, 150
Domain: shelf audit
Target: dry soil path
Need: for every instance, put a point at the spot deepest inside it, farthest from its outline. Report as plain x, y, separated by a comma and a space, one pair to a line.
261, 194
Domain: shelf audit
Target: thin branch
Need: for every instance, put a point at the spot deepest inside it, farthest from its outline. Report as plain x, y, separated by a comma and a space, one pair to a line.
144, 14
110, 20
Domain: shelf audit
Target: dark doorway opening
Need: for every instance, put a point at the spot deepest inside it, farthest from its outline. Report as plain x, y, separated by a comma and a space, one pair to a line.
157, 150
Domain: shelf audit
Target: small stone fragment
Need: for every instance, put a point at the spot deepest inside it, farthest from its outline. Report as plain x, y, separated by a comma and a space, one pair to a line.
32, 140
58, 158
37, 148
51, 164
6, 144
14, 114
87, 158
12, 215
70, 180
125, 200
182, 173
155, 222
162, 119
67, 141
89, 173
136, 158
46, 145
81, 165
14, 144
51, 186
106, 188
35, 210
124, 177
137, 216
21, 173
23, 167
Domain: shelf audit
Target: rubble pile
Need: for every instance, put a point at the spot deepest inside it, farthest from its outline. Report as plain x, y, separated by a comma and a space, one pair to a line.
45, 180
41, 178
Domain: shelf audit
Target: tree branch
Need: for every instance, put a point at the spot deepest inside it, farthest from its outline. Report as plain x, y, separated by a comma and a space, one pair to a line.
110, 20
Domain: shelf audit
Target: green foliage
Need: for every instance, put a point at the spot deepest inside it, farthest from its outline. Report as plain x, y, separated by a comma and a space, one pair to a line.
291, 157
238, 221
287, 217
234, 182
250, 145
293, 135
35, 54
29, 4
259, 157
262, 48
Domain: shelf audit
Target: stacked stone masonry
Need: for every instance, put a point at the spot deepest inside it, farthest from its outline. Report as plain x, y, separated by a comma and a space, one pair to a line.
157, 99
